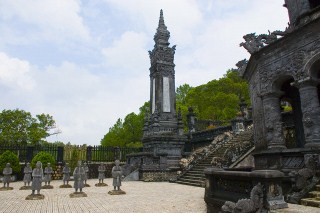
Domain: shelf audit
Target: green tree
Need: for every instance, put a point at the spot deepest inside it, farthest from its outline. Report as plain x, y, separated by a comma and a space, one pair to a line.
10, 157
218, 99
44, 158
182, 92
18, 127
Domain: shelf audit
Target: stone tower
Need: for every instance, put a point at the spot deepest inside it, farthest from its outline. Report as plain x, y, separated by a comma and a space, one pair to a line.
163, 129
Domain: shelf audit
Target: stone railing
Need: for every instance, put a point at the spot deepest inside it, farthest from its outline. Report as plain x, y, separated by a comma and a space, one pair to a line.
201, 153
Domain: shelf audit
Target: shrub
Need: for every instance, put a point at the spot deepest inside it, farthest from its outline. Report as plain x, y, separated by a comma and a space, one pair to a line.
74, 159
10, 157
44, 158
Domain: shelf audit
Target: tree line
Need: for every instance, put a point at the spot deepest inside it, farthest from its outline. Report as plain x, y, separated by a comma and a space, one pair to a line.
215, 100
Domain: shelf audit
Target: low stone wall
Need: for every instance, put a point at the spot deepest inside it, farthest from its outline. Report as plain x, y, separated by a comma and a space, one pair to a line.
156, 175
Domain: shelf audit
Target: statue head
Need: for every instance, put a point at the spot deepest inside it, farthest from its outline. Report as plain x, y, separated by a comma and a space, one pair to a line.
79, 163
67, 164
48, 164
8, 165
38, 164
117, 162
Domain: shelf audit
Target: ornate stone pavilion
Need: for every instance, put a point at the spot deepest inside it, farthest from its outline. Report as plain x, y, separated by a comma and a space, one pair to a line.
163, 138
284, 67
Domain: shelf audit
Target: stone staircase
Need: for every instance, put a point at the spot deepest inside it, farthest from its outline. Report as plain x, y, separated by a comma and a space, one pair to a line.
195, 176
314, 199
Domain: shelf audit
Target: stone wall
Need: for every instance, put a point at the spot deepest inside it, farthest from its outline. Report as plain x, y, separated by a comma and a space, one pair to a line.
157, 176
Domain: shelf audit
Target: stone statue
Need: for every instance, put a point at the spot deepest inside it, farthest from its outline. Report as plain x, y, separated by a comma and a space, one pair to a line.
27, 177
86, 169
27, 174
79, 177
37, 176
254, 204
101, 176
116, 175
66, 176
7, 172
47, 176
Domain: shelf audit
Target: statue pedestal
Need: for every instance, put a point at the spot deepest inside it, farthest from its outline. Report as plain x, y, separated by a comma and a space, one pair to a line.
78, 194
35, 197
65, 186
6, 188
101, 184
25, 188
47, 187
116, 192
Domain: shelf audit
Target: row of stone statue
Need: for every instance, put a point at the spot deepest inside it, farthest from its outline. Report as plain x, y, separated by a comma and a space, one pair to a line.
80, 175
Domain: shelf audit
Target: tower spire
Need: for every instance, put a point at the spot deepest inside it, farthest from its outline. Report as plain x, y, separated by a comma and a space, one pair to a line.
162, 35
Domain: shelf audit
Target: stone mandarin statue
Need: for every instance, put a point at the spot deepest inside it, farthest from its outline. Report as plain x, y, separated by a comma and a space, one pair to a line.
86, 169
79, 176
27, 174
116, 175
37, 175
66, 174
101, 176
7, 172
101, 170
47, 174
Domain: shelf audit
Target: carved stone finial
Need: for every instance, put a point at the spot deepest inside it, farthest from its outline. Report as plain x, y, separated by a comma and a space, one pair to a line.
162, 35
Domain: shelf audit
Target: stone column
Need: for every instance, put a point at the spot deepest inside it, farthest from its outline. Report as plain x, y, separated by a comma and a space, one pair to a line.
273, 123
311, 111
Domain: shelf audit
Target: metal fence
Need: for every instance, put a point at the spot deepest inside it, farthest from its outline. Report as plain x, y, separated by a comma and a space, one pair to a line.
68, 152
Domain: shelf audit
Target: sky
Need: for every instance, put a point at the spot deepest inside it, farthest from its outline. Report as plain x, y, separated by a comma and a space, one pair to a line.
86, 63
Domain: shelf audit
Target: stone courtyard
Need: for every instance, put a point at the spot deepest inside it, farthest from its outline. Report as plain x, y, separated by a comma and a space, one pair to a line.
140, 197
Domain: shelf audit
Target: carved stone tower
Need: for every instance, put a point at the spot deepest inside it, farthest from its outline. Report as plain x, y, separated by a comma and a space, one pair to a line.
163, 129
162, 82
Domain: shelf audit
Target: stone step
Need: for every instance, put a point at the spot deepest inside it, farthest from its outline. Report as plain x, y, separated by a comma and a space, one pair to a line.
194, 175
195, 172
315, 195
189, 184
310, 202
192, 180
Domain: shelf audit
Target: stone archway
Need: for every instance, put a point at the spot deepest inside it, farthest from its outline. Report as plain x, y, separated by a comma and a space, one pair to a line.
292, 120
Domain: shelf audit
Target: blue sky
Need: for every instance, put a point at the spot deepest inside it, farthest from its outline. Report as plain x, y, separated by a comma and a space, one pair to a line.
86, 62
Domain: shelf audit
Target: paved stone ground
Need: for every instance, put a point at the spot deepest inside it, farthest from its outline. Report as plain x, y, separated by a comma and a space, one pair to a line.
140, 197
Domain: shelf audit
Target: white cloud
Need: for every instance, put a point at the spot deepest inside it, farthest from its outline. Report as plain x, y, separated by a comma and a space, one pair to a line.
46, 19
127, 54
15, 73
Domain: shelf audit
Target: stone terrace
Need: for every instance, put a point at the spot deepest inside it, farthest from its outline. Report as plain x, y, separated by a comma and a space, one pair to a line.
140, 197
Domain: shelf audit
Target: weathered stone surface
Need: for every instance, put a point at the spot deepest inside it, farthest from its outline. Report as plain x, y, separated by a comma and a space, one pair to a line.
78, 194
101, 184
116, 192
65, 186
6, 188
25, 188
47, 187
35, 197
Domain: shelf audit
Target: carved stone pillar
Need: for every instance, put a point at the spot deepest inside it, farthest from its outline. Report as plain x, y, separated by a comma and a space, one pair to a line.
311, 111
272, 119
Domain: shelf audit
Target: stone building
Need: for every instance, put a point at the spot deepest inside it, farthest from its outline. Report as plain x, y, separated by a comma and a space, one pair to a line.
284, 67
